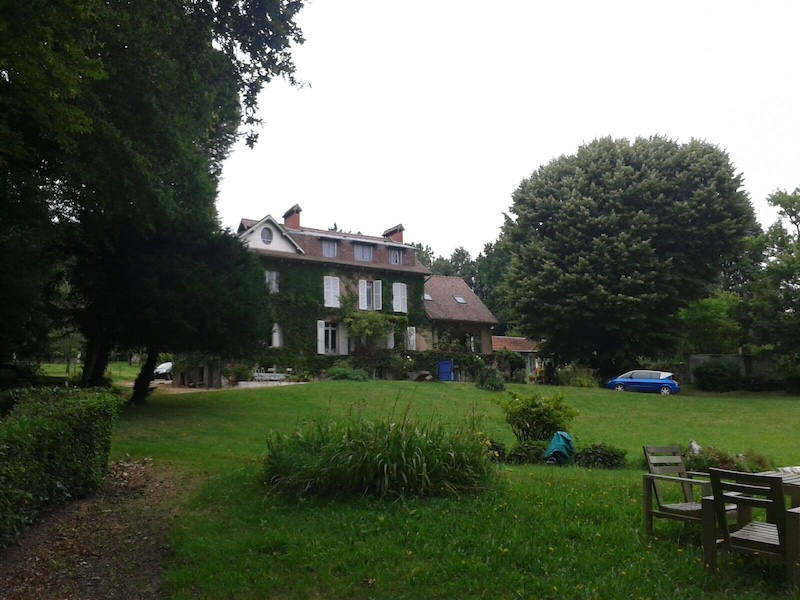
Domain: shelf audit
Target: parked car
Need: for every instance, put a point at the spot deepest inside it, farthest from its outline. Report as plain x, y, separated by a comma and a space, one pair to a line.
163, 371
645, 381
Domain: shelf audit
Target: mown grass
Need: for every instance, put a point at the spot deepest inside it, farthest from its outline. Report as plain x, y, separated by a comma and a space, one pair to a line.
538, 533
118, 371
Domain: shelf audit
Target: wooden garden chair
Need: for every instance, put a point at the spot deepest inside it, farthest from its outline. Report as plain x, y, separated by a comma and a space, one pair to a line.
666, 469
778, 536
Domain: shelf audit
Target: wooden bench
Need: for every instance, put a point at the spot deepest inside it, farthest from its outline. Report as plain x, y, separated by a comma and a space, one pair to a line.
268, 375
777, 536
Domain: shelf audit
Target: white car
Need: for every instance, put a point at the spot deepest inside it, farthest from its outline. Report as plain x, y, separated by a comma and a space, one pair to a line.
163, 371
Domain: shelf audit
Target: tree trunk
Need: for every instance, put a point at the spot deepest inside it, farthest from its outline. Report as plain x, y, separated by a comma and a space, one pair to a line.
141, 388
98, 350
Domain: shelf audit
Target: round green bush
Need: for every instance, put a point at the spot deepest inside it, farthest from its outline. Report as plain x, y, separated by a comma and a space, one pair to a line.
527, 453
600, 456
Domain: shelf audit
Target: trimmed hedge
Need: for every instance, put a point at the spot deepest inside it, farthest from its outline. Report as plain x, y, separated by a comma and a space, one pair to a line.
54, 446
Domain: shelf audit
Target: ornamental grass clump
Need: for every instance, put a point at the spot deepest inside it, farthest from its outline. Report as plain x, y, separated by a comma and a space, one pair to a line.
379, 459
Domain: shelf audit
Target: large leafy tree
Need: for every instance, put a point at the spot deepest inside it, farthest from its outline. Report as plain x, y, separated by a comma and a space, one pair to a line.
490, 269
145, 100
771, 308
612, 241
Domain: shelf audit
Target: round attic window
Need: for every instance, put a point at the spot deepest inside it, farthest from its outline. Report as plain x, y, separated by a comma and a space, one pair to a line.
266, 235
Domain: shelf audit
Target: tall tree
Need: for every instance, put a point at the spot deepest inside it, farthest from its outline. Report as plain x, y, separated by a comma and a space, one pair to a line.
460, 264
771, 309
710, 325
609, 244
490, 269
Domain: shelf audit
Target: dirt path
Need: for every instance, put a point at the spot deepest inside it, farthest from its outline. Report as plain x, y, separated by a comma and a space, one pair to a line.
113, 544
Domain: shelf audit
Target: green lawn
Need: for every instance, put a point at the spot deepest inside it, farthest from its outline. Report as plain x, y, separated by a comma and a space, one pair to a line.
538, 533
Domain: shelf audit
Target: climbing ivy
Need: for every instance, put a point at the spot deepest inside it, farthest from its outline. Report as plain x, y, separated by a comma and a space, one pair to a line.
298, 305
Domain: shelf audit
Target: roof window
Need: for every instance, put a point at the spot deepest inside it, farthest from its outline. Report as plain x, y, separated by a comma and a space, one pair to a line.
460, 299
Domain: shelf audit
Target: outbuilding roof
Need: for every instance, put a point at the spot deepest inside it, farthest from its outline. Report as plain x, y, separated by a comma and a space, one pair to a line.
451, 299
515, 344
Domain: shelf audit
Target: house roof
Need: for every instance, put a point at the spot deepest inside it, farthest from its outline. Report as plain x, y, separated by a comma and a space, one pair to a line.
515, 344
307, 241
451, 299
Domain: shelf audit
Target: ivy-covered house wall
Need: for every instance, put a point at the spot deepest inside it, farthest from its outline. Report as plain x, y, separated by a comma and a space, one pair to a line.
297, 304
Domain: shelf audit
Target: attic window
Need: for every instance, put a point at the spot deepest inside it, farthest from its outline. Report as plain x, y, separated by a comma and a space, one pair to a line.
363, 252
460, 299
427, 297
266, 236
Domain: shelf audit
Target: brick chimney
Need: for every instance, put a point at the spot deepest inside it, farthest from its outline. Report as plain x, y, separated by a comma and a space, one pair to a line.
395, 233
291, 218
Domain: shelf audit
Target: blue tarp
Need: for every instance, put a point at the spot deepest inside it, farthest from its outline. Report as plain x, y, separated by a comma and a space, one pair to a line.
445, 370
560, 450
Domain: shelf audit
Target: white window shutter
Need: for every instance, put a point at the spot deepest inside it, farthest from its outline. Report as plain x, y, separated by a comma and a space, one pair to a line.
411, 338
327, 291
343, 344
331, 291
277, 336
399, 302
335, 292
320, 337
390, 340
396, 297
377, 295
362, 294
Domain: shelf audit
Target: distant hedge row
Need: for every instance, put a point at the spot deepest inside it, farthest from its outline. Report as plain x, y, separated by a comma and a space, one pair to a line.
54, 446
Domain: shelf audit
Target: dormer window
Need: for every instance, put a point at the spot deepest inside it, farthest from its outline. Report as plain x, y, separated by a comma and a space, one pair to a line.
395, 256
266, 236
330, 248
362, 252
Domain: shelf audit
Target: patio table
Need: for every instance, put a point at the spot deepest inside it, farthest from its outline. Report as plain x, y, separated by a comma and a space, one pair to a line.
791, 482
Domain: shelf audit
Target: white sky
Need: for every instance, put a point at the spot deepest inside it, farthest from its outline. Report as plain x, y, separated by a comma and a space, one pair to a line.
430, 113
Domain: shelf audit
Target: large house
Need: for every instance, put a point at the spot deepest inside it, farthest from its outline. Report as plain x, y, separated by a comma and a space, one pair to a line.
322, 280
336, 294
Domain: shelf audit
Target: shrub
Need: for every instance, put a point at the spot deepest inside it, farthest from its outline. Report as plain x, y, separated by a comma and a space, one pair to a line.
537, 417
497, 450
54, 445
527, 453
346, 373
489, 378
717, 375
576, 375
766, 382
238, 372
709, 456
600, 456
378, 459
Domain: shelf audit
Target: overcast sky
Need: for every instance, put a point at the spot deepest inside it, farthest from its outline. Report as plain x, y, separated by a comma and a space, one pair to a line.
430, 113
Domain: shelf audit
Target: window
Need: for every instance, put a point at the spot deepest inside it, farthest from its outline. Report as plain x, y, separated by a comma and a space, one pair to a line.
363, 252
399, 301
276, 338
266, 236
395, 256
370, 295
331, 291
273, 281
427, 297
460, 299
330, 248
331, 338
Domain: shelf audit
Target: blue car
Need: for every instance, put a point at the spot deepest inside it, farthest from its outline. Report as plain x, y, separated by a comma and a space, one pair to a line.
645, 381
